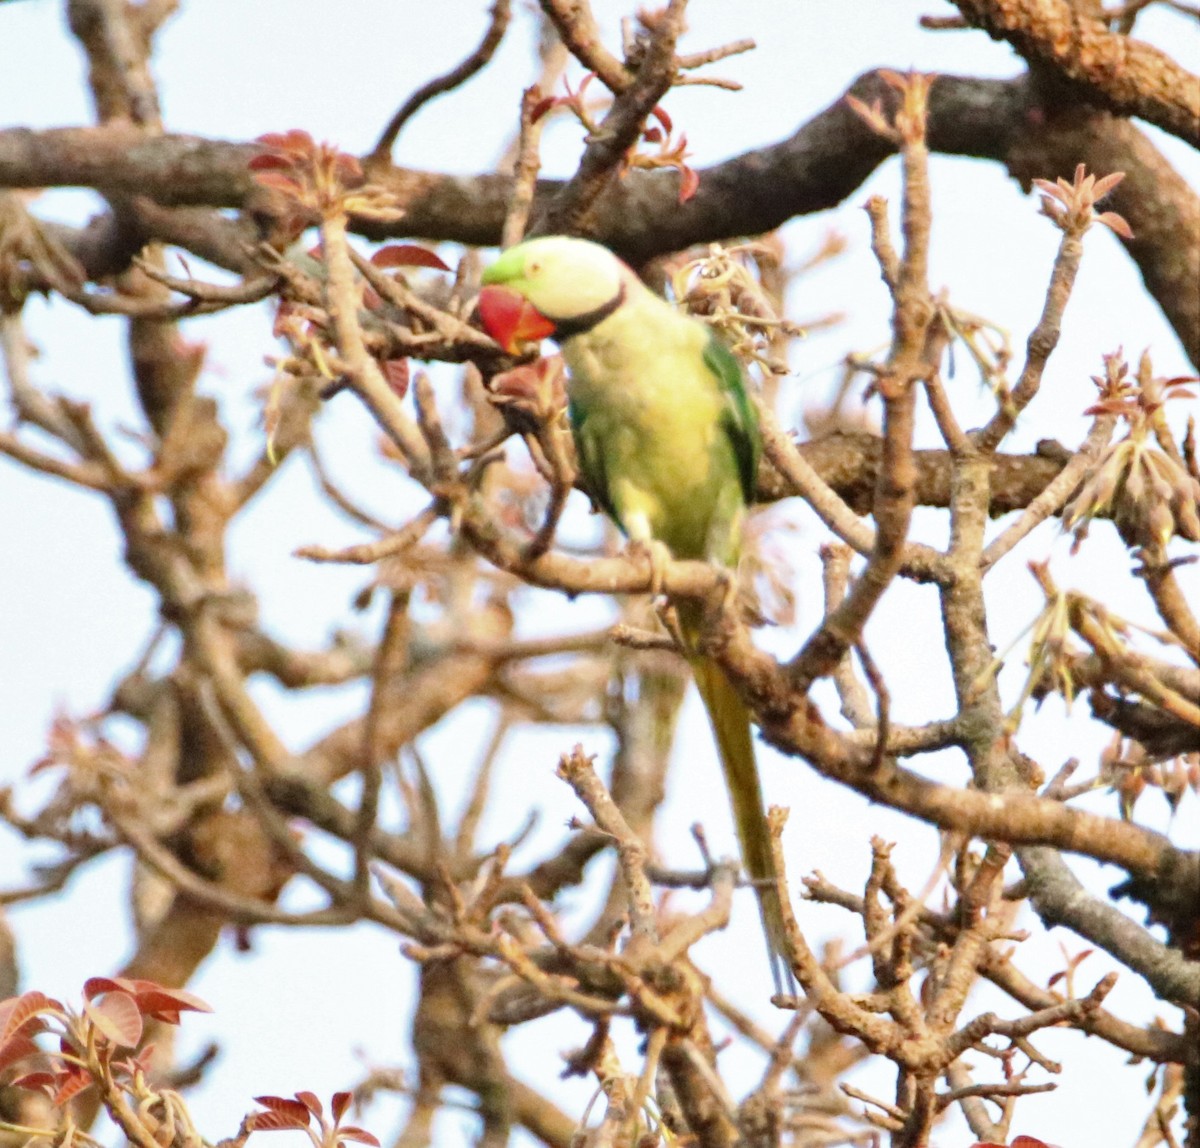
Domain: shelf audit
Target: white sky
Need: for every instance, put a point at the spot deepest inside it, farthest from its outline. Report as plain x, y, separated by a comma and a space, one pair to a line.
291, 1014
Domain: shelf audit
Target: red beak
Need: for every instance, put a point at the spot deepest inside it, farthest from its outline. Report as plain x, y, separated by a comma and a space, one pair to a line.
511, 319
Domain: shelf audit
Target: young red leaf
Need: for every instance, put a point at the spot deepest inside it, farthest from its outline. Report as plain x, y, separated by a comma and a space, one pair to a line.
94, 986
653, 135
662, 117
278, 181
17, 1012
116, 1017
69, 1086
338, 1104
18, 1048
281, 1104
359, 1135
35, 1082
541, 108
295, 140
689, 181
1115, 222
282, 1113
408, 255
278, 1121
269, 161
396, 372
312, 1102
166, 1004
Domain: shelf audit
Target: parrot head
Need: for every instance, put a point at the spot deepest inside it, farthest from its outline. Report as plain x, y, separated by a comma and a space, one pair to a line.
550, 287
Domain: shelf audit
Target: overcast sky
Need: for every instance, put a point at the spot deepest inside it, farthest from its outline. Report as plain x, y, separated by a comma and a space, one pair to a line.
294, 1011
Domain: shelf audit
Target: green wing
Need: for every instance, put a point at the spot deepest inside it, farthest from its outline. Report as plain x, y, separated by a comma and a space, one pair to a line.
738, 420
590, 453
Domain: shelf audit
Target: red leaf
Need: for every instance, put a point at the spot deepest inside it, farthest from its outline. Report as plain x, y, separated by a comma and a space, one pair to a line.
338, 1104
152, 999
281, 1104
541, 108
282, 1113
35, 1081
278, 181
1116, 223
359, 1135
18, 1048
278, 1121
653, 135
396, 372
166, 1004
94, 986
689, 181
117, 1018
17, 1012
71, 1086
269, 161
407, 255
312, 1102
662, 117
295, 140
1029, 1142
348, 170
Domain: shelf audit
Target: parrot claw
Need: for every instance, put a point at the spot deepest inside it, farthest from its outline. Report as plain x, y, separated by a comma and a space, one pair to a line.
730, 591
669, 617
659, 557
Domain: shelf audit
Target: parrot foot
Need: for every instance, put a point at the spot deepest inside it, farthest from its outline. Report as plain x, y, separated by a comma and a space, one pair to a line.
731, 593
659, 557
669, 617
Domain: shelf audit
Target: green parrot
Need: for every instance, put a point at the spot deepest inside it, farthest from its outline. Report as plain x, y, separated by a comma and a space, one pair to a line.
668, 444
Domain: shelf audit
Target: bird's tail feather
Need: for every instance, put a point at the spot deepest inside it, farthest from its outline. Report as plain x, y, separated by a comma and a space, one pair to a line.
730, 720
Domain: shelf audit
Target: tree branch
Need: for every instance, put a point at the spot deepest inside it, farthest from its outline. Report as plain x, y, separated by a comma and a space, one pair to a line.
1129, 76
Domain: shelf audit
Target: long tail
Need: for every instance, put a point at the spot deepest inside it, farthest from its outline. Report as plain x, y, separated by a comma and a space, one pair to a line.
731, 726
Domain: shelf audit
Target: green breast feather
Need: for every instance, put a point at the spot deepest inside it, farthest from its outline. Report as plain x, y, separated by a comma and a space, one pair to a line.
669, 434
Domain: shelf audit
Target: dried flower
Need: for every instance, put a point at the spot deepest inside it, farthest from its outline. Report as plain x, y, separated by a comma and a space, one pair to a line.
720, 288
1147, 491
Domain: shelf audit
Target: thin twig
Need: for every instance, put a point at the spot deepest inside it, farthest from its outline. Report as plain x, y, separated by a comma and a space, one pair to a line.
455, 78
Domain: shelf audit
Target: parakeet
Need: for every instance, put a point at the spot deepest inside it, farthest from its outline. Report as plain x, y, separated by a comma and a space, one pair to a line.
668, 444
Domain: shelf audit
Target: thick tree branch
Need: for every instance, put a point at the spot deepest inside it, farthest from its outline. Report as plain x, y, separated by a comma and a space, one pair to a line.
816, 168
1131, 77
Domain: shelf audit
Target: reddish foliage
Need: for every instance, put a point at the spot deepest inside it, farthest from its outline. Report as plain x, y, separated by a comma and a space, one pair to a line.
281, 1113
20, 1015
670, 154
114, 1010
1019, 1142
396, 371
117, 1018
152, 1000
298, 1112
339, 1102
408, 255
312, 177
538, 388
